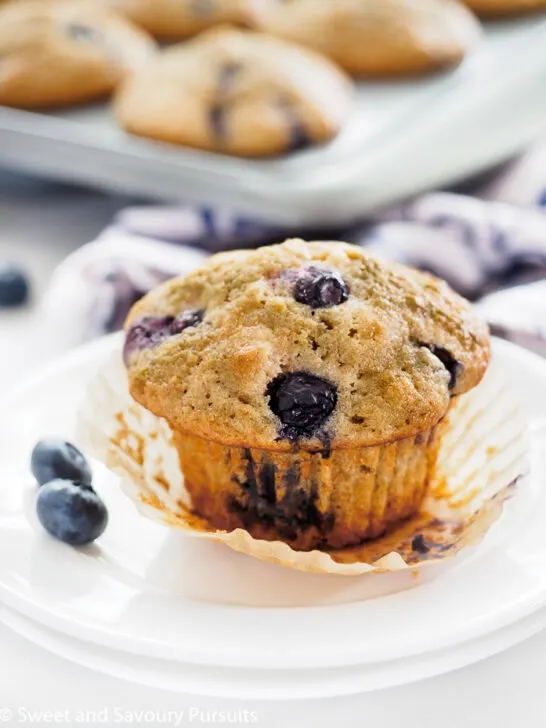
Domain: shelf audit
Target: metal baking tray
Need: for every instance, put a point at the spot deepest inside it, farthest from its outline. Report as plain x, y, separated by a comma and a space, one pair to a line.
402, 138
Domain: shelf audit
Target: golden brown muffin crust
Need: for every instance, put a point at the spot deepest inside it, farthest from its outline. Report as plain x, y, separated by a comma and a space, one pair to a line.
377, 347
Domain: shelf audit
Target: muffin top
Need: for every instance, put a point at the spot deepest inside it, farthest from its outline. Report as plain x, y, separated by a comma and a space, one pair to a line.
309, 345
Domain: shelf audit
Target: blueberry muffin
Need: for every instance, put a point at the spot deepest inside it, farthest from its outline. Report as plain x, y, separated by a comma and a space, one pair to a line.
307, 386
373, 37
178, 19
63, 53
505, 7
236, 92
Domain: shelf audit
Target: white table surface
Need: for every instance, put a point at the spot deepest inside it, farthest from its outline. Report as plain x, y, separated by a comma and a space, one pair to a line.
38, 226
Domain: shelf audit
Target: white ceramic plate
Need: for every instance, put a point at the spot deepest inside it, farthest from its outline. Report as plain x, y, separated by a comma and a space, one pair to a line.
150, 591
251, 684
403, 137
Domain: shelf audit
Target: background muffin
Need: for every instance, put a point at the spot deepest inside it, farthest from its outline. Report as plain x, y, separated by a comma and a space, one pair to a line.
505, 7
237, 92
306, 385
373, 37
61, 53
178, 19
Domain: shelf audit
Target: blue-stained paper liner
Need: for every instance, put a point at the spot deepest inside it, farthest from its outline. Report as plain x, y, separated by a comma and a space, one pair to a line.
482, 461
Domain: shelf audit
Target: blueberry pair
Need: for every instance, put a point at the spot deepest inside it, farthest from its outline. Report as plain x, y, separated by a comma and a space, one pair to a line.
67, 506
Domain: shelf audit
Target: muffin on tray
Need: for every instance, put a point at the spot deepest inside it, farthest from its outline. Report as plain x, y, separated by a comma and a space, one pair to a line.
307, 386
177, 19
374, 37
63, 53
237, 92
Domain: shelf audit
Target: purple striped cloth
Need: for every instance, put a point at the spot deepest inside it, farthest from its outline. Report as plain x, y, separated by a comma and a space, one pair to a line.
489, 243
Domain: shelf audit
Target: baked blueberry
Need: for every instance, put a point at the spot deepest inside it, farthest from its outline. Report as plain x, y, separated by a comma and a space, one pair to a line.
191, 317
71, 512
320, 288
454, 367
227, 77
145, 333
55, 458
81, 32
302, 402
298, 137
14, 287
217, 119
203, 7
419, 545
152, 330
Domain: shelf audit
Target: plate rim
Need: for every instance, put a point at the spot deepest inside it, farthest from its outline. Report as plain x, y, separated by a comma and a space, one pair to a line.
341, 682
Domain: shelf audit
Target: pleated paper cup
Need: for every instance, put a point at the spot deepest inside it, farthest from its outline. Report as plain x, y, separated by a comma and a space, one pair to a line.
481, 464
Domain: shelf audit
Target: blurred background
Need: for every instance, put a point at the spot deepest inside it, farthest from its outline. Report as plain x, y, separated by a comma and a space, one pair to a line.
137, 137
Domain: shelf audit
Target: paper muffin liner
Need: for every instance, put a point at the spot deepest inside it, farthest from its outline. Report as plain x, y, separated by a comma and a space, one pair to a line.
482, 459
306, 499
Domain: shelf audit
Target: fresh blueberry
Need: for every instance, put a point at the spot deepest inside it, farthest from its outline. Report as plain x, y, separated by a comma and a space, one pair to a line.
302, 402
55, 458
145, 333
191, 317
453, 366
320, 288
71, 512
14, 287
